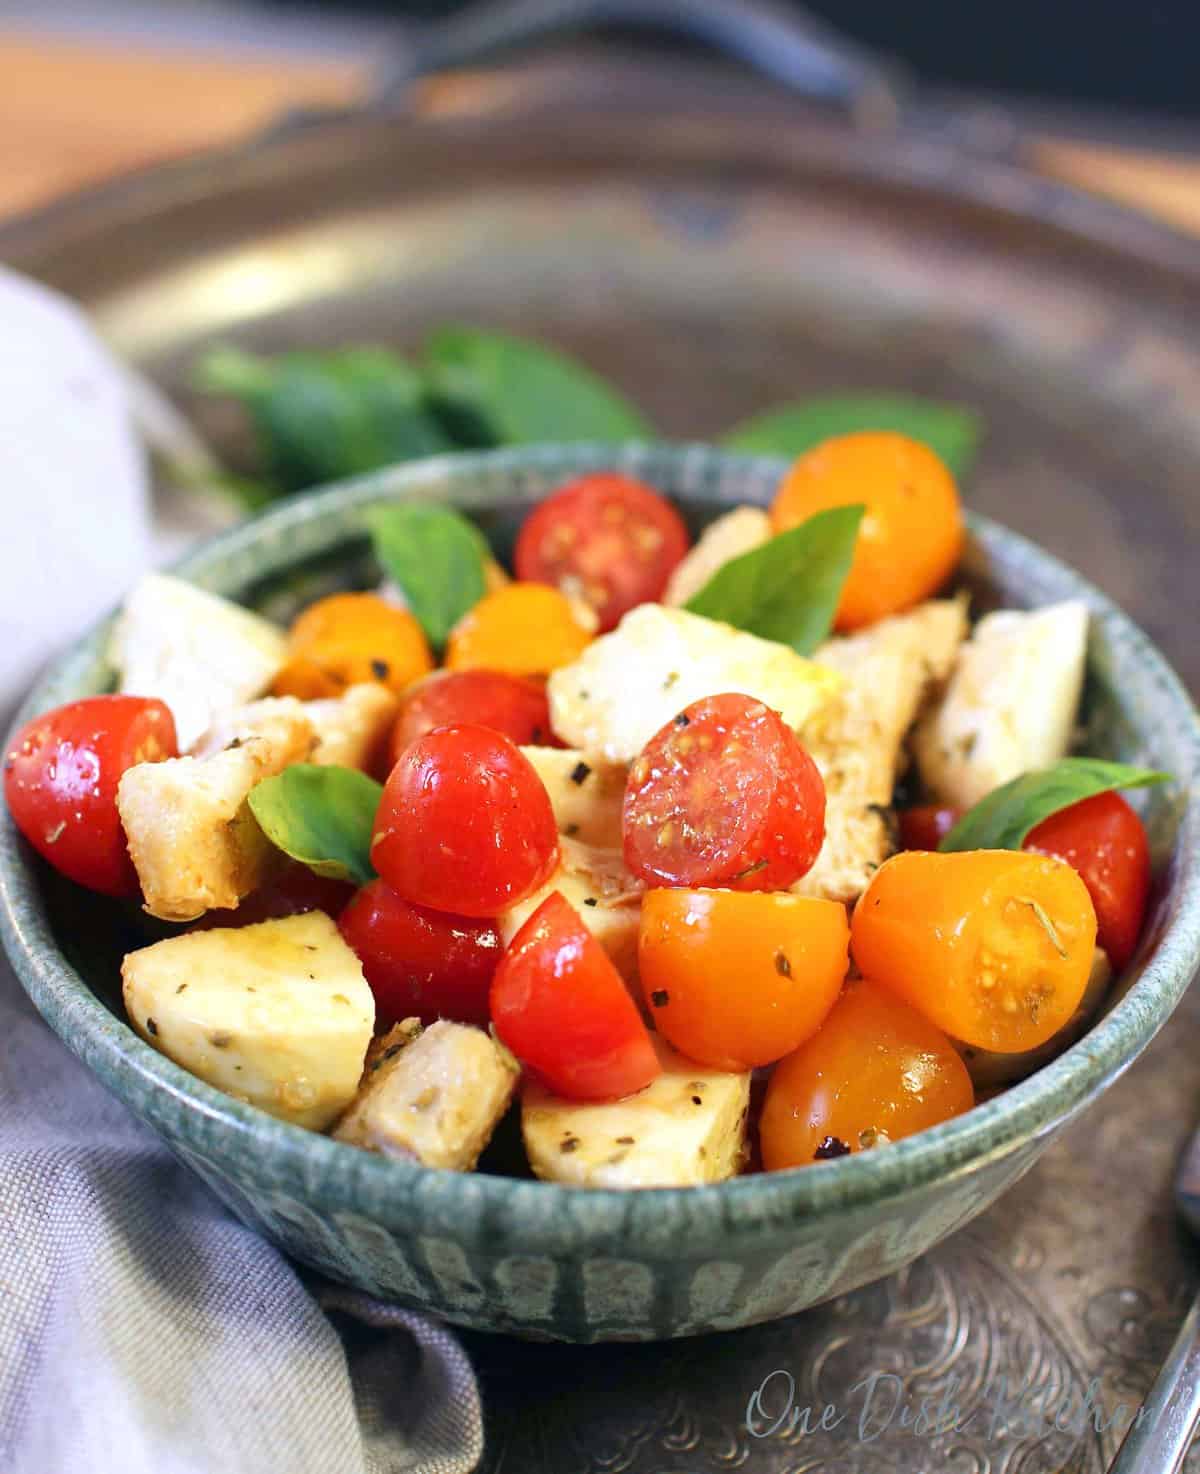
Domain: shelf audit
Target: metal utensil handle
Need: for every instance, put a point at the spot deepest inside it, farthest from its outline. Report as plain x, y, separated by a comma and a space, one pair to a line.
1158, 1442
787, 45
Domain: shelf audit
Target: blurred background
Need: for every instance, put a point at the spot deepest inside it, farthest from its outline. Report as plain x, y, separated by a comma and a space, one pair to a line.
88, 87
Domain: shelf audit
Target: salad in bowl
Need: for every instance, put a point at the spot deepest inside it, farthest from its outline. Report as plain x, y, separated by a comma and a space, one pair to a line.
699, 858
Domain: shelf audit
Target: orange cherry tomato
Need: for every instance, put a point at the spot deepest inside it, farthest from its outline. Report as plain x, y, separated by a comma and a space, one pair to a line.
874, 1072
347, 639
994, 946
525, 629
911, 534
307, 681
736, 979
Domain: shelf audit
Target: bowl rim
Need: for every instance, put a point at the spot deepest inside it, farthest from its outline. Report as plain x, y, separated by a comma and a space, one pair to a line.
479, 1206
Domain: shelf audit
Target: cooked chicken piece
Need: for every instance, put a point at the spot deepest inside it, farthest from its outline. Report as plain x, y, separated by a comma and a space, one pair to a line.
1011, 703
889, 670
630, 683
433, 1096
685, 1128
586, 794
277, 1014
350, 730
737, 532
199, 653
194, 842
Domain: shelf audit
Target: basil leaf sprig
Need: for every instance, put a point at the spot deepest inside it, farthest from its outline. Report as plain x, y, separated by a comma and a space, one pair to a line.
321, 816
436, 557
1003, 819
950, 430
787, 589
322, 416
494, 389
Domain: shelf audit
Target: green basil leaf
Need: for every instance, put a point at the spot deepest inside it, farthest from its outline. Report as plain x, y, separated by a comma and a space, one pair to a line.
1003, 819
437, 558
495, 389
788, 589
949, 429
321, 816
323, 416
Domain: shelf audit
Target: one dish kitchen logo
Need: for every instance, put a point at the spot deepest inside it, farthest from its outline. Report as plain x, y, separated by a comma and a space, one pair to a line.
880, 1403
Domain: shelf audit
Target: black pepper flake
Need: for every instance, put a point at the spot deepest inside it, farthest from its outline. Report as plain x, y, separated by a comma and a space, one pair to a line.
660, 998
233, 745
571, 831
696, 1100
380, 669
151, 1027
180, 988
590, 901
683, 720
580, 773
625, 1141
569, 1145
829, 1147
782, 966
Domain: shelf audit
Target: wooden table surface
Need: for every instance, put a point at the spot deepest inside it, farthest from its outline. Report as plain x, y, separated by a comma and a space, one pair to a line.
72, 113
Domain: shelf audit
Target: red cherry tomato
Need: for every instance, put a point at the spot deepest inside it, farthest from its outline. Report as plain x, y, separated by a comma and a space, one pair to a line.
924, 827
465, 823
1104, 840
293, 890
489, 698
607, 539
60, 780
562, 1008
419, 963
724, 796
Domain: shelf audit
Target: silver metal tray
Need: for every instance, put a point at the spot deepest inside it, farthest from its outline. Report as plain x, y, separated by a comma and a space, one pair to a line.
716, 246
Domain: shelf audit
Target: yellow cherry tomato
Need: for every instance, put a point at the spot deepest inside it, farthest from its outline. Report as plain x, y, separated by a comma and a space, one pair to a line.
524, 629
347, 639
994, 946
911, 535
735, 979
874, 1072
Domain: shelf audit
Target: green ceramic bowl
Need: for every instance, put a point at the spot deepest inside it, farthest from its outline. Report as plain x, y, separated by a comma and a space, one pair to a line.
503, 1254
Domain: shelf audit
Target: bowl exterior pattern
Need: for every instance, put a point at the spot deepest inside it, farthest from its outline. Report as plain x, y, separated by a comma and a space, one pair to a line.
542, 1261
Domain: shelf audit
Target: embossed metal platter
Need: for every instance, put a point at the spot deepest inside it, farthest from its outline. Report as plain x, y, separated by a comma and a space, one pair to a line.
715, 248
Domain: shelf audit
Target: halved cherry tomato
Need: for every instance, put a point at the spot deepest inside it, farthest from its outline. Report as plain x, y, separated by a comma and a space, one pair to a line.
488, 698
291, 890
560, 1005
606, 539
465, 823
911, 535
874, 1072
1106, 842
347, 639
925, 826
993, 946
736, 980
724, 795
60, 780
420, 963
526, 629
